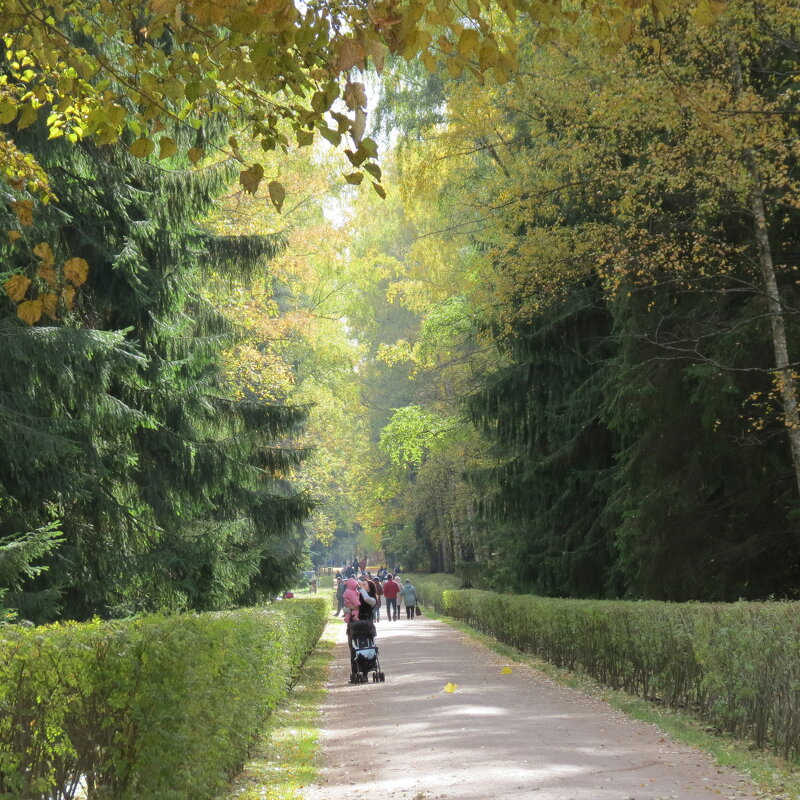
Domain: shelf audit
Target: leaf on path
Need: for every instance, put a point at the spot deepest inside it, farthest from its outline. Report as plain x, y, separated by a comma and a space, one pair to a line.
506, 670
450, 687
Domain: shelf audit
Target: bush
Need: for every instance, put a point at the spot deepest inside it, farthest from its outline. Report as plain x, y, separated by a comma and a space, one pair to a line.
155, 707
735, 666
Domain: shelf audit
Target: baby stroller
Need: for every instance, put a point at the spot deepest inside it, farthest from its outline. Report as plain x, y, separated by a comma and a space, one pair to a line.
364, 653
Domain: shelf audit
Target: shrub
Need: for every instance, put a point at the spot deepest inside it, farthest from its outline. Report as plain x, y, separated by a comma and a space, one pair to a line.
154, 707
735, 666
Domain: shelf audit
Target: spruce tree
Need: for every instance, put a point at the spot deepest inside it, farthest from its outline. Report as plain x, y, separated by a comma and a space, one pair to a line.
170, 493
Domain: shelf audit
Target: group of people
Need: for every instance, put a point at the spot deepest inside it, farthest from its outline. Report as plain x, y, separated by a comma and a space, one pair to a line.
362, 596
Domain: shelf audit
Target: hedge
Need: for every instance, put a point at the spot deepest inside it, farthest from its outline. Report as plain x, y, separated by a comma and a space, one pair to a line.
735, 666
157, 707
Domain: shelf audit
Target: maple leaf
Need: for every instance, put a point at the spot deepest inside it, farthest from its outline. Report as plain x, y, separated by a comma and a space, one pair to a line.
506, 670
450, 687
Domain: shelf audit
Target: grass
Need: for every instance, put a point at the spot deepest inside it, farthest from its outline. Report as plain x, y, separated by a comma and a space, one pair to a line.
774, 776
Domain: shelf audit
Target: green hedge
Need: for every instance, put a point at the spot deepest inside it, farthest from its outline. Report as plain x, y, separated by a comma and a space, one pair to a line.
736, 666
154, 708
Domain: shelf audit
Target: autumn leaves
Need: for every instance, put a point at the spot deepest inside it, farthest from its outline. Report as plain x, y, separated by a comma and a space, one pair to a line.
48, 291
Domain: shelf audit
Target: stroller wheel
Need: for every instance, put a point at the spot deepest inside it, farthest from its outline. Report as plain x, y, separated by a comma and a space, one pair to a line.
354, 677
381, 677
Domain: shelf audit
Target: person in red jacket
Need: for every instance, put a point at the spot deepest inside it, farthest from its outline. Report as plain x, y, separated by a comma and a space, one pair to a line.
390, 591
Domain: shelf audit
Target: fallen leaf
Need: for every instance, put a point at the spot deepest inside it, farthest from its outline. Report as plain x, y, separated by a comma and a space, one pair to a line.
450, 687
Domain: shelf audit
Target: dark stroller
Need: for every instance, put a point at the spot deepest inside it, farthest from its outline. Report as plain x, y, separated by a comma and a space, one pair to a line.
363, 652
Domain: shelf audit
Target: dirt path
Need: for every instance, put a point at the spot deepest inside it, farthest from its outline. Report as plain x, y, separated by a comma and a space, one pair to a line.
517, 735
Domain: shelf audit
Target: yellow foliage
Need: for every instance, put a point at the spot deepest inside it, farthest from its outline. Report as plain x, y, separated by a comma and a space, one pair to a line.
30, 312
16, 287
76, 271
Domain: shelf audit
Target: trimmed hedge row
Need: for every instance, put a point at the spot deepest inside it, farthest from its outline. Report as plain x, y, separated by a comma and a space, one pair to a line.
156, 707
735, 666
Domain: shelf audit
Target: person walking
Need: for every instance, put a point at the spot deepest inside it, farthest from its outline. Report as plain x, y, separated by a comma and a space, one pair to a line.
341, 585
390, 591
410, 598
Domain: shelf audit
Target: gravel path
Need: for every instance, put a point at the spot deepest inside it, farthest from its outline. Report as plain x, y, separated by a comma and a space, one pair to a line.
519, 735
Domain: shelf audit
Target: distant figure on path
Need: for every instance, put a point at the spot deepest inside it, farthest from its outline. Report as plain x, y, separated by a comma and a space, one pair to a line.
410, 598
390, 591
340, 587
363, 564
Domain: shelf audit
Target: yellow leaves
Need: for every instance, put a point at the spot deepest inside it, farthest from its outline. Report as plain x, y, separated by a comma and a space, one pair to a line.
8, 112
13, 236
251, 178
46, 269
68, 296
707, 12
30, 312
488, 54
506, 670
468, 42
24, 211
76, 270
211, 11
49, 304
450, 688
142, 148
16, 287
166, 147
165, 7
44, 252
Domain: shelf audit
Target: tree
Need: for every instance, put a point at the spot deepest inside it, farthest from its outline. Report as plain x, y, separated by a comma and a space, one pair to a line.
171, 492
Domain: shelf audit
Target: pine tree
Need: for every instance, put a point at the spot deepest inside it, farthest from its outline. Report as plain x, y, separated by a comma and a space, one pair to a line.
171, 493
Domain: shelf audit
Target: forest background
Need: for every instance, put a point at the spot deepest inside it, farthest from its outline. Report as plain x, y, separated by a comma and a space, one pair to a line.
551, 351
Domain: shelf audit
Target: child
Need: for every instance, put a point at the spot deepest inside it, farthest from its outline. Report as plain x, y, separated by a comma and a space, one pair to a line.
351, 599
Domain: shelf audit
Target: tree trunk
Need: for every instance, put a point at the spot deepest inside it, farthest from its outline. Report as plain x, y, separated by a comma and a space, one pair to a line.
787, 384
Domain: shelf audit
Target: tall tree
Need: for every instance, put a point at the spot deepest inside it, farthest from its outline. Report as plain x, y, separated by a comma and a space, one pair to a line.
171, 492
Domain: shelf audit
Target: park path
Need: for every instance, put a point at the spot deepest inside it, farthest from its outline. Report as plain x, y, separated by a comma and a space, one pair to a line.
517, 735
